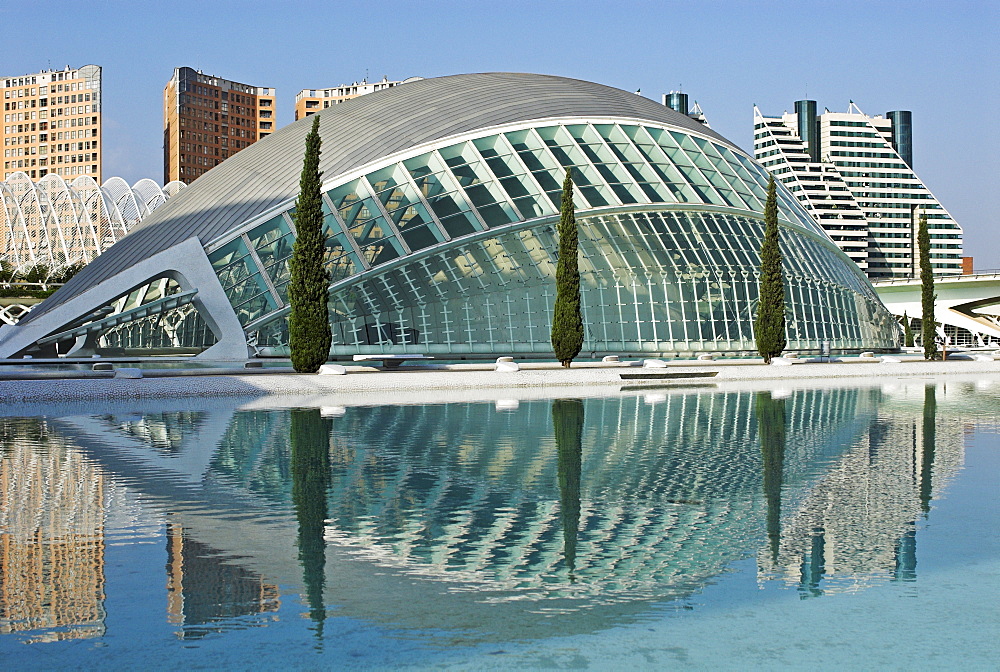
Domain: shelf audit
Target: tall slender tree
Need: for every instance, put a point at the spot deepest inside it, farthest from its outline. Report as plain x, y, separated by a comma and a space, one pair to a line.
309, 335
567, 321
769, 327
907, 331
928, 333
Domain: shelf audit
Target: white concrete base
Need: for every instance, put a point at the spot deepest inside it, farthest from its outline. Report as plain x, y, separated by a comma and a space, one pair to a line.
128, 373
706, 358
332, 370
506, 365
886, 359
781, 361
610, 358
654, 364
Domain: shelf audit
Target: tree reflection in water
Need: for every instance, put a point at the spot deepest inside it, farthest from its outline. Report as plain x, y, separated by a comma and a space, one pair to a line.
567, 425
927, 455
771, 425
310, 444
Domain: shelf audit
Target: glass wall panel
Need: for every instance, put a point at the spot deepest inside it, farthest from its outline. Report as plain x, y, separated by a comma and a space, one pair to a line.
387, 178
353, 202
382, 251
370, 230
654, 281
460, 224
459, 154
273, 243
231, 263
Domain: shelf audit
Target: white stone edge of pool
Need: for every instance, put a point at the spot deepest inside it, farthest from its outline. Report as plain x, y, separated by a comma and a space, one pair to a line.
483, 382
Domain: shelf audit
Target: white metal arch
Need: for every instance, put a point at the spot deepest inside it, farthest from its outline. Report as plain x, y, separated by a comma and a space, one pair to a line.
148, 195
58, 223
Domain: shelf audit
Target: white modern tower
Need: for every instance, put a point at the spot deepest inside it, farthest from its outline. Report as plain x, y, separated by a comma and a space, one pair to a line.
854, 173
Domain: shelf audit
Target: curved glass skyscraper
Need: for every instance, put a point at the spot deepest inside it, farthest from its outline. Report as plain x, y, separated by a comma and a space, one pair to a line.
441, 197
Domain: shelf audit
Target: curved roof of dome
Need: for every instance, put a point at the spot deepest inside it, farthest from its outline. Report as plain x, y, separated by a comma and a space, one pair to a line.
356, 133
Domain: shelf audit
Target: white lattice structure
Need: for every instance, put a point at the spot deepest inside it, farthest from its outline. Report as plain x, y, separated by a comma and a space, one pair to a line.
59, 223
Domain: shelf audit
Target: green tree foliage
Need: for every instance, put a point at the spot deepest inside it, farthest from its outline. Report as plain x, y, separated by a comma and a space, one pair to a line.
64, 274
928, 335
567, 322
907, 331
6, 271
308, 289
769, 327
567, 424
310, 444
37, 273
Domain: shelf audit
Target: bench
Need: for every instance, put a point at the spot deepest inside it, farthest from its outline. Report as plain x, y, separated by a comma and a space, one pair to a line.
391, 361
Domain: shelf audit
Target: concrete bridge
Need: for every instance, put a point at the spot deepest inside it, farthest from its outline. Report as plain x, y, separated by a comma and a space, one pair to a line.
967, 306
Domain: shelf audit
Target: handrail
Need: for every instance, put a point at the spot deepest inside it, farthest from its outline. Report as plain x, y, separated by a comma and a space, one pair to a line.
978, 275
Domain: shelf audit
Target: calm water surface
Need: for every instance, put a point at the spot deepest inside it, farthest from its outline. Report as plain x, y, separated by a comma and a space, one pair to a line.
820, 528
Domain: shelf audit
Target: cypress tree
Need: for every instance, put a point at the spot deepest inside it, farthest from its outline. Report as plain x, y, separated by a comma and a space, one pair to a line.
769, 327
907, 331
567, 322
927, 332
309, 335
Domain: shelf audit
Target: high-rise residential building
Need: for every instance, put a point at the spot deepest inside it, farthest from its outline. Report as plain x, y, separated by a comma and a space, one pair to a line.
207, 119
52, 123
309, 101
854, 173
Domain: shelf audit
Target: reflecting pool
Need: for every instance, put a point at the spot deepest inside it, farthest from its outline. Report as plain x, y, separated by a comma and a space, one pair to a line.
826, 527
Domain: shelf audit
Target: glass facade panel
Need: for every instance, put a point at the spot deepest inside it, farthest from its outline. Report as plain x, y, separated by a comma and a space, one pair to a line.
273, 241
384, 250
353, 202
654, 280
460, 224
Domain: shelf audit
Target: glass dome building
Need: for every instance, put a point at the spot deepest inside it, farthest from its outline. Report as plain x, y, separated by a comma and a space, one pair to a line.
441, 198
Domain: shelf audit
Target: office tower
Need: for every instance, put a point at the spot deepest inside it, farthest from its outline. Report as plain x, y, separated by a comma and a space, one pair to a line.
854, 173
678, 102
309, 101
207, 119
52, 123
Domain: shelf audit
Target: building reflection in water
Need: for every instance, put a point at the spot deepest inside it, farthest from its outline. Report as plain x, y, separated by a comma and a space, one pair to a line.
402, 512
51, 535
856, 525
206, 589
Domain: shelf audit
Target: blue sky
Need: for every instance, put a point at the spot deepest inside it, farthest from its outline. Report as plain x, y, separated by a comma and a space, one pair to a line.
937, 59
